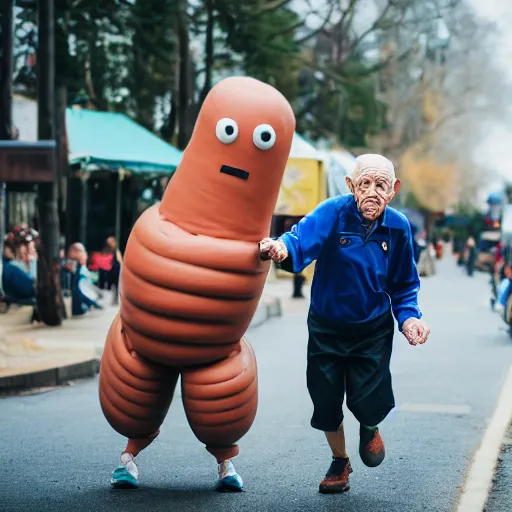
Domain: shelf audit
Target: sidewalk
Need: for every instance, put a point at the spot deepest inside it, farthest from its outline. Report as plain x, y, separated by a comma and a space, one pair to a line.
500, 497
32, 356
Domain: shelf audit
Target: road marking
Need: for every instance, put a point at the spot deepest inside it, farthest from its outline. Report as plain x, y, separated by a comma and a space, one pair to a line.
435, 408
479, 481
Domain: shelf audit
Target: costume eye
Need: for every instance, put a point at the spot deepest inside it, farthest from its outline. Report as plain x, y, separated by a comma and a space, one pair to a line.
226, 130
264, 137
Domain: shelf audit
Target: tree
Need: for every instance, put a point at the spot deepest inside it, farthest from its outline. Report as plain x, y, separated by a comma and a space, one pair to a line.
49, 296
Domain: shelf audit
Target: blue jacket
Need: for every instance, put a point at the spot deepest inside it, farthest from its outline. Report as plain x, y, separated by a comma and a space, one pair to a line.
83, 294
18, 285
357, 274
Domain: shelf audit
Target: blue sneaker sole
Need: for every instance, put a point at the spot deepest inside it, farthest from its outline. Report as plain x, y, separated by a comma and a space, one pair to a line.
229, 484
121, 479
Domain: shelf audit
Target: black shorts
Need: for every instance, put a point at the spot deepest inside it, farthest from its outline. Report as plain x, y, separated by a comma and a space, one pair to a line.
354, 360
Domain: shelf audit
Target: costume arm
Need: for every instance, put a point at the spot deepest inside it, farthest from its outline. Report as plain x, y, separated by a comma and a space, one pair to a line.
405, 281
306, 239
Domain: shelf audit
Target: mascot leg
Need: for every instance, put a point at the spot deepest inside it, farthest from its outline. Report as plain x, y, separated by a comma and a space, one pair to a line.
221, 402
135, 396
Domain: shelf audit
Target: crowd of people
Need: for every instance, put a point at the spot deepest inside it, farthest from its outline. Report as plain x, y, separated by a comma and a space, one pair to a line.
82, 277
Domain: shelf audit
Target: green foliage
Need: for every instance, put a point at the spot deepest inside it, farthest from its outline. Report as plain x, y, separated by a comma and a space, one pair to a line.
123, 55
345, 105
265, 41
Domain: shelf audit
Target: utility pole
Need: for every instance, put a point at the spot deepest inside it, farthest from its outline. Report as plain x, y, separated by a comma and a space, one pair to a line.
6, 127
49, 296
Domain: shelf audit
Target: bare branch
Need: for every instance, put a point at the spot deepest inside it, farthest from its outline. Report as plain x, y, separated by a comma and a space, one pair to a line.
321, 28
373, 27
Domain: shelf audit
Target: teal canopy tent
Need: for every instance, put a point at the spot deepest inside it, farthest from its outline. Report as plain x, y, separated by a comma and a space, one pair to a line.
110, 140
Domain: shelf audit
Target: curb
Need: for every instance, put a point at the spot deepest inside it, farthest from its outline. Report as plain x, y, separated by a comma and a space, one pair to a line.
267, 309
49, 377
478, 484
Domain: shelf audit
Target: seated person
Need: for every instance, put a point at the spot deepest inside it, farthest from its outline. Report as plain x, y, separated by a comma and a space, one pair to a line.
84, 294
19, 274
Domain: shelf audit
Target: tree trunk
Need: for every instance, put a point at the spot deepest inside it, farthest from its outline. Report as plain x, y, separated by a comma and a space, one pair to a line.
184, 79
6, 28
209, 49
62, 151
49, 296
6, 127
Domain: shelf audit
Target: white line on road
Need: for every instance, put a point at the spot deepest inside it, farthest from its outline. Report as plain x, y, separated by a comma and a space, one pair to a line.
479, 481
435, 408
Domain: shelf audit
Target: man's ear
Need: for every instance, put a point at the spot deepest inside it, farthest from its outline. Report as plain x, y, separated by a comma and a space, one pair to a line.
349, 183
396, 188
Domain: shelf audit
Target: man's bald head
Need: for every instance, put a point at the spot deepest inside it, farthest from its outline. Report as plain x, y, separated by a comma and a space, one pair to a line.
373, 164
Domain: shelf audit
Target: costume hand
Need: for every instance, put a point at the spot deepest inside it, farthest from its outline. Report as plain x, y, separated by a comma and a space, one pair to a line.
273, 249
416, 331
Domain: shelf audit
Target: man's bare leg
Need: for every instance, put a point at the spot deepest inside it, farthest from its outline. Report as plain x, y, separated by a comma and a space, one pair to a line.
336, 479
336, 441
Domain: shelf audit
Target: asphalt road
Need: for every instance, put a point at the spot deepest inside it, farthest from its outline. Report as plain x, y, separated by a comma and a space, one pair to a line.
57, 450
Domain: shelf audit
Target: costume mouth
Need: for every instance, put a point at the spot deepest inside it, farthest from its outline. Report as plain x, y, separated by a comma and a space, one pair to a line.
234, 171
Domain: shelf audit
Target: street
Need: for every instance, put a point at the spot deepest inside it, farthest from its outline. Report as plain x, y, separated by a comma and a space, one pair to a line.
57, 450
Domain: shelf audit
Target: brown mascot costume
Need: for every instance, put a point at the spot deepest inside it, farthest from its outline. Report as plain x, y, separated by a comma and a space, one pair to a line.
192, 279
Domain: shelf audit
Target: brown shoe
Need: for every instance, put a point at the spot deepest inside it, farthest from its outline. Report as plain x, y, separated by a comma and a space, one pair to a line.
336, 479
371, 447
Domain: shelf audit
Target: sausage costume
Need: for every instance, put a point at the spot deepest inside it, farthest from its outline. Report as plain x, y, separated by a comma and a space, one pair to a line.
192, 279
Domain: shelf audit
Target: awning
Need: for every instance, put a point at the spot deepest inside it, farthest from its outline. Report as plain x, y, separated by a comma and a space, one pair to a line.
112, 140
301, 148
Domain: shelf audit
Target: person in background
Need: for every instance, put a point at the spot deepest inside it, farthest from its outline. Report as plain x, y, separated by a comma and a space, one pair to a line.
20, 273
9, 248
114, 273
84, 295
470, 255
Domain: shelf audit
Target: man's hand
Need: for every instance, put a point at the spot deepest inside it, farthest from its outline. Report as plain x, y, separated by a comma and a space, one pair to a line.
416, 331
273, 249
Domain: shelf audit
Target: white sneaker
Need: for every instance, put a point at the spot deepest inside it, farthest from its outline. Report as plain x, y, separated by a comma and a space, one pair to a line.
125, 476
229, 479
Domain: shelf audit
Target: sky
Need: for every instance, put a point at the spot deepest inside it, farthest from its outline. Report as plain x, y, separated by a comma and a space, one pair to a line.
494, 150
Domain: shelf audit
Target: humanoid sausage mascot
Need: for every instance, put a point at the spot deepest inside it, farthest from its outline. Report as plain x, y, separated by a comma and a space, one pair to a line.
191, 282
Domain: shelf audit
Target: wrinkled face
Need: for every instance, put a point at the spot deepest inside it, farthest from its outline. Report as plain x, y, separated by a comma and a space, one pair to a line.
373, 190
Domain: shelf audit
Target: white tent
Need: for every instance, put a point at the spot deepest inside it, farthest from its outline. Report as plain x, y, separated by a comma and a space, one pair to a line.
301, 148
339, 163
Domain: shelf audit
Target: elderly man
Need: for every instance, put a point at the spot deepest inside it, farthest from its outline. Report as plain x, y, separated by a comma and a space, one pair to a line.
365, 273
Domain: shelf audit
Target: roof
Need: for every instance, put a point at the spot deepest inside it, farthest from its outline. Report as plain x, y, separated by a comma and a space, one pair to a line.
301, 148
345, 159
112, 139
